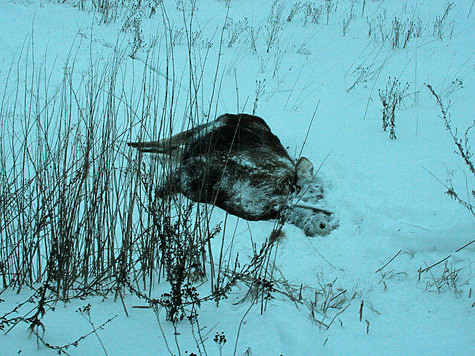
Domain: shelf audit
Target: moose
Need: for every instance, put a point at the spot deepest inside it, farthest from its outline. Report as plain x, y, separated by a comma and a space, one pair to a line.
237, 164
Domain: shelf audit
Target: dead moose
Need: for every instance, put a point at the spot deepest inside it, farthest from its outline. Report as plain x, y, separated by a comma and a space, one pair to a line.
239, 165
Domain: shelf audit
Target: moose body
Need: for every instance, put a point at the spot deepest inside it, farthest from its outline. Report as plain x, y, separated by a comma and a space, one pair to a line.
239, 165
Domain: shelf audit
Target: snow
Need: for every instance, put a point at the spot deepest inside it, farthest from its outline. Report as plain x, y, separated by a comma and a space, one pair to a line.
385, 192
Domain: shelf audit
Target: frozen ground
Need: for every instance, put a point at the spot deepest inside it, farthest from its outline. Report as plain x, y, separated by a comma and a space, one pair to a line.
385, 191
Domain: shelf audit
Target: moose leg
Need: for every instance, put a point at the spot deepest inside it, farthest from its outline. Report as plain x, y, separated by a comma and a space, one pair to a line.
171, 145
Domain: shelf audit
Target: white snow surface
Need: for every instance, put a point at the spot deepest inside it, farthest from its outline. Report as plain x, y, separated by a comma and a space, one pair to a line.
385, 192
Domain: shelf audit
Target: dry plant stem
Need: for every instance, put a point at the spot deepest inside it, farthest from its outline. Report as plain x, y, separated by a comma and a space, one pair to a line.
94, 329
295, 84
387, 263
463, 148
308, 129
237, 91
240, 326
444, 259
201, 342
175, 334
361, 310
218, 60
218, 279
63, 348
156, 310
376, 79
463, 151
336, 315
323, 258
312, 207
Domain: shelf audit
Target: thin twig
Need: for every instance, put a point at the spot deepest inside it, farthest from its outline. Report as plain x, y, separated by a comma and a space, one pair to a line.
240, 326
308, 128
435, 264
380, 269
466, 245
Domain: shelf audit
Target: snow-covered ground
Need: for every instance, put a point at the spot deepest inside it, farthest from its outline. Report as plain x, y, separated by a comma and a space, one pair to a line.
388, 193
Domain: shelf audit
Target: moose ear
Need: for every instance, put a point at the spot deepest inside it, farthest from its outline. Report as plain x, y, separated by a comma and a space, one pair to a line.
304, 169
